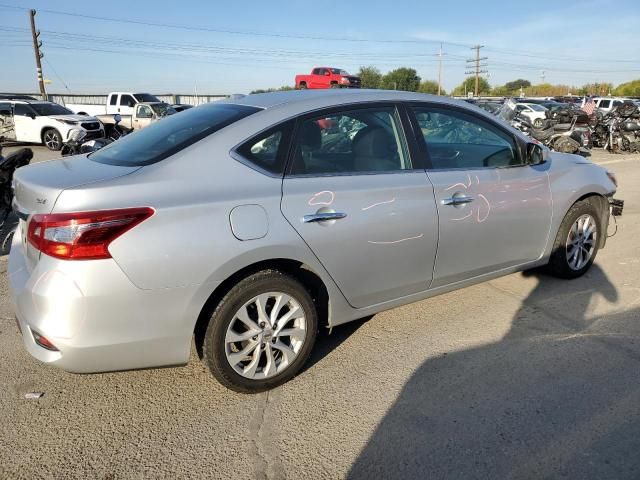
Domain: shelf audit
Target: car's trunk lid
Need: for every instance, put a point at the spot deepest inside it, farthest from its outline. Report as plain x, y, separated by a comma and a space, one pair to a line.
38, 186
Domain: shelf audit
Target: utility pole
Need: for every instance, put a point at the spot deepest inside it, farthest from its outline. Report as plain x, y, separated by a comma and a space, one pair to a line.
36, 49
477, 67
440, 70
542, 76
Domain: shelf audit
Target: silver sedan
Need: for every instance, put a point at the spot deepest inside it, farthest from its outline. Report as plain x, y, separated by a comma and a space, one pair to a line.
254, 222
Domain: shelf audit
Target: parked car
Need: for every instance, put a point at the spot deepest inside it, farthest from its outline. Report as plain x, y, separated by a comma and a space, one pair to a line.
534, 112
44, 122
606, 104
248, 225
117, 102
327, 77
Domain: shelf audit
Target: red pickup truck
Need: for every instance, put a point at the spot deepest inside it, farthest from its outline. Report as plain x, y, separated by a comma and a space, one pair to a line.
327, 77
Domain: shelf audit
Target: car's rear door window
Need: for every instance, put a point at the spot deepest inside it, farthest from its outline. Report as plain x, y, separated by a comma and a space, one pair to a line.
353, 141
170, 135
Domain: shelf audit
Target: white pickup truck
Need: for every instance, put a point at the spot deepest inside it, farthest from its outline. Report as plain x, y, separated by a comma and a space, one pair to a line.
136, 110
117, 102
144, 114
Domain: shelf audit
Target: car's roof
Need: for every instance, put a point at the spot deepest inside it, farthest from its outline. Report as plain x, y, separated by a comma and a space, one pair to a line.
333, 97
32, 102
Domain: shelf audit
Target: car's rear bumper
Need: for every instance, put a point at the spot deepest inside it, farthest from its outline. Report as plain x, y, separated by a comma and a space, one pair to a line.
95, 317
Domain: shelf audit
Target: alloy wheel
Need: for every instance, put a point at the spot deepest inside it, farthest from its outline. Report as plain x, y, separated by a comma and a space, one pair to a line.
265, 335
51, 140
581, 242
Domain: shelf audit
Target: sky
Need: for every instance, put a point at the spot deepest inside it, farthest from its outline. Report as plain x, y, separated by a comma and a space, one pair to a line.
222, 47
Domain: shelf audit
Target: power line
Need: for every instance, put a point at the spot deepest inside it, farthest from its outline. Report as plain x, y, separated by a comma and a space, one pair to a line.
56, 74
238, 32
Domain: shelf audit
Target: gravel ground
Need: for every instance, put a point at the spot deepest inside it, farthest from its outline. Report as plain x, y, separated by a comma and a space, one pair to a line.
521, 377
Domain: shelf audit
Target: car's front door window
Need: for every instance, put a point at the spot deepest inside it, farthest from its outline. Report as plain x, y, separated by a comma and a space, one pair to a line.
455, 139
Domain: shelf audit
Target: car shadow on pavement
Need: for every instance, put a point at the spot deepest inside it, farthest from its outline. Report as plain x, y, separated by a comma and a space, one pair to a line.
558, 396
327, 341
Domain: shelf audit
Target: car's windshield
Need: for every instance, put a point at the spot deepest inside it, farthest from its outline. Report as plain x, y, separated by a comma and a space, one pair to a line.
337, 71
537, 108
146, 97
162, 109
46, 109
162, 139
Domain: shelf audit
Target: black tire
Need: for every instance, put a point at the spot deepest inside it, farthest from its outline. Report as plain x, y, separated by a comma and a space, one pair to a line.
55, 143
334, 85
558, 264
302, 86
538, 122
6, 235
214, 347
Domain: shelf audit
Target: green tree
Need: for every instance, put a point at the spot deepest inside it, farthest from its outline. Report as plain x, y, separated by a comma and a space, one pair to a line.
430, 86
370, 77
470, 83
628, 89
402, 78
500, 91
517, 84
283, 88
598, 89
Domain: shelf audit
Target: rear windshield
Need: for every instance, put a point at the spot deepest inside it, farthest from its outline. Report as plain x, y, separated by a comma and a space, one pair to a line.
170, 135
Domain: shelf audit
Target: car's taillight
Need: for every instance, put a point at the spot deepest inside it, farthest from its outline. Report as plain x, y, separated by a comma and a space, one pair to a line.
82, 235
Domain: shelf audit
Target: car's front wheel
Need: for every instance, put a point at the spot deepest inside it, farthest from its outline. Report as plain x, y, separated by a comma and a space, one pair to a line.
52, 139
538, 123
261, 333
576, 245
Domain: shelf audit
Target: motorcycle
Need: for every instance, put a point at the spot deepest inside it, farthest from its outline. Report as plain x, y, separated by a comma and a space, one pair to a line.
569, 139
8, 219
618, 130
76, 146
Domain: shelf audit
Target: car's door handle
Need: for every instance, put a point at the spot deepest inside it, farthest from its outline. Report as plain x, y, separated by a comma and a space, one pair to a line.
323, 217
457, 200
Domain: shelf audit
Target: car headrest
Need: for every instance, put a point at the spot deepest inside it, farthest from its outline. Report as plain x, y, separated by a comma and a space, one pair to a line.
373, 142
311, 135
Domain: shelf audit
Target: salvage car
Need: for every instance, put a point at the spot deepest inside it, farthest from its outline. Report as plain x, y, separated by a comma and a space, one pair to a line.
33, 121
253, 222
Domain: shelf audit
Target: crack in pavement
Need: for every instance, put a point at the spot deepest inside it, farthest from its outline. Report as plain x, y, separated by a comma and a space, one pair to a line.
258, 456
264, 452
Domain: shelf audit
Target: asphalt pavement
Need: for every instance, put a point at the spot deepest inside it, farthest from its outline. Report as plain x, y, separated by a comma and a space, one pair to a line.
525, 376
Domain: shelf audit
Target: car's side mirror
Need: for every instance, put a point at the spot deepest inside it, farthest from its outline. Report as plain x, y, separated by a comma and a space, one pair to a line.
32, 116
536, 155
327, 74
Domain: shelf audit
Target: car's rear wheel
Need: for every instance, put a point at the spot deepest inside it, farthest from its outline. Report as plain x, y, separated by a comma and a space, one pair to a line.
302, 86
261, 333
576, 245
52, 139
